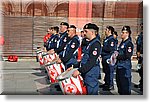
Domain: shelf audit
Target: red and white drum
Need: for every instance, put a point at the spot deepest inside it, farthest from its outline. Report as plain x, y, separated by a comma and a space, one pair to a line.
70, 85
113, 59
54, 71
40, 57
48, 57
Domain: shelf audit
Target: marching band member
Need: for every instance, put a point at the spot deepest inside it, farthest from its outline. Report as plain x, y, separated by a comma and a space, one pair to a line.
64, 39
115, 37
52, 44
84, 44
139, 43
90, 65
123, 70
61, 43
69, 55
48, 36
109, 46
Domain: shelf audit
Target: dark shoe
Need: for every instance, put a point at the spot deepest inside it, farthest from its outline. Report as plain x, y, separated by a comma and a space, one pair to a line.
108, 88
99, 77
103, 85
137, 86
58, 88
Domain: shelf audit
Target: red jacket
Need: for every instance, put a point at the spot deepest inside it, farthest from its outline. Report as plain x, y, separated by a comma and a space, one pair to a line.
46, 37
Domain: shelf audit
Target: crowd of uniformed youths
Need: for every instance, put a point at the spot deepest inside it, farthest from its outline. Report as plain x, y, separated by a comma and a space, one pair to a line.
65, 42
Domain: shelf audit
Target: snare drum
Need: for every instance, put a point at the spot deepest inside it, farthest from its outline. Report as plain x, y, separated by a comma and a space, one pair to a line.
40, 58
113, 59
48, 57
54, 70
70, 85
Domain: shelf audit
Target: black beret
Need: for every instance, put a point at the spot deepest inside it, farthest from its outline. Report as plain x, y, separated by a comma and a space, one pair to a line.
56, 28
72, 26
115, 33
64, 23
111, 28
91, 26
126, 28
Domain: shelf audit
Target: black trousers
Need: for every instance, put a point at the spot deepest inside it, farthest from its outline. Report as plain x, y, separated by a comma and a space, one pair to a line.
123, 82
140, 71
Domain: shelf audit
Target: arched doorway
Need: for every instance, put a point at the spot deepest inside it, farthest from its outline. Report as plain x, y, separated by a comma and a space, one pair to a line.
62, 10
7, 8
37, 9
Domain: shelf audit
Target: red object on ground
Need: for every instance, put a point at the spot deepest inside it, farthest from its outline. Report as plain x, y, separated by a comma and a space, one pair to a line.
13, 58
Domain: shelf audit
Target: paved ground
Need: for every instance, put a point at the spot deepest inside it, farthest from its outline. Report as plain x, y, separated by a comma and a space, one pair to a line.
26, 77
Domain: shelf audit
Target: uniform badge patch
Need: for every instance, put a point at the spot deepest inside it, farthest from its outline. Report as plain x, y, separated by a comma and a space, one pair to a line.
65, 39
95, 53
112, 44
73, 46
122, 46
129, 49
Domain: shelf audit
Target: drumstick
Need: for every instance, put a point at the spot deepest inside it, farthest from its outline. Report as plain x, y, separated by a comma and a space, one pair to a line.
51, 63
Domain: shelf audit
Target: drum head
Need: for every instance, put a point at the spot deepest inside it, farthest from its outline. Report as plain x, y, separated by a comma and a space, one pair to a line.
113, 59
66, 74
